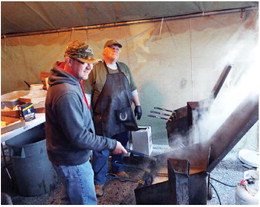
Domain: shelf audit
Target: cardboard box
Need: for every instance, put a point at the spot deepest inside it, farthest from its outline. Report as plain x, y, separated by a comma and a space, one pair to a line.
10, 124
35, 96
44, 79
11, 99
142, 140
11, 113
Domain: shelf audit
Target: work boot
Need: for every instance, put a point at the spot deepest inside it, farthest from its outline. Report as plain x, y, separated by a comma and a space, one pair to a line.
99, 190
122, 174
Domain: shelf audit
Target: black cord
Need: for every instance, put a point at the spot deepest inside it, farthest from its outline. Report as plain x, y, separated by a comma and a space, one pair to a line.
216, 193
233, 186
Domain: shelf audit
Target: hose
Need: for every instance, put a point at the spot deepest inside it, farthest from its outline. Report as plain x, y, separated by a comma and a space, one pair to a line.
216, 193
232, 186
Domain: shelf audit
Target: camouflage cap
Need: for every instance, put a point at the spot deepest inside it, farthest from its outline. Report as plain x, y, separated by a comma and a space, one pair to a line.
81, 51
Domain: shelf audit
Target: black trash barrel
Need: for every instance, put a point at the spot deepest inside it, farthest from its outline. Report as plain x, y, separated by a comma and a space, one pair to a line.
34, 174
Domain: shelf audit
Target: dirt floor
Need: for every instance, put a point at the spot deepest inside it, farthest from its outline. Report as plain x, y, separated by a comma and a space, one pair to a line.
230, 171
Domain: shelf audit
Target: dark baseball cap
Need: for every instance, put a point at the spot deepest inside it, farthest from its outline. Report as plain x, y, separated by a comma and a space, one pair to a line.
112, 42
81, 51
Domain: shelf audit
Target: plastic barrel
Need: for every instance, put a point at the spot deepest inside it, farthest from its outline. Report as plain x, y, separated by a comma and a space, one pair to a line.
34, 174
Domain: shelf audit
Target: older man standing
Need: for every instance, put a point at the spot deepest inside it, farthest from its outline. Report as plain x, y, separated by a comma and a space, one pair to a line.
70, 132
112, 89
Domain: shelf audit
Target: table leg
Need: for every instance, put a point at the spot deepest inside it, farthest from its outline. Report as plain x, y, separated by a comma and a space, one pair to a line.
5, 162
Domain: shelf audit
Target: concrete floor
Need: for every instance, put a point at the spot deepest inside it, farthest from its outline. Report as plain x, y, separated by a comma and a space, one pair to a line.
230, 171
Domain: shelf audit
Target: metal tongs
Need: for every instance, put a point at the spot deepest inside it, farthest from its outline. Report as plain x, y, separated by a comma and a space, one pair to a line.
123, 179
141, 154
146, 170
117, 163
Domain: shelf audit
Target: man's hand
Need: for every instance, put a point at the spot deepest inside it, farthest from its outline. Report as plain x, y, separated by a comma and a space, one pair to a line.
138, 112
119, 149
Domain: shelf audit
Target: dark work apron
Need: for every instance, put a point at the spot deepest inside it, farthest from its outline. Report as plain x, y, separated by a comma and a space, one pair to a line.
112, 110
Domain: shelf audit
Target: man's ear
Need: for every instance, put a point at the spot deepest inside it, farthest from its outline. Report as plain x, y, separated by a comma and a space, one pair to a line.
68, 61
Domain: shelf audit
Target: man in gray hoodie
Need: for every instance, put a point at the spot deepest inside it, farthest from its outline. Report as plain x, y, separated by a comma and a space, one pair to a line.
70, 132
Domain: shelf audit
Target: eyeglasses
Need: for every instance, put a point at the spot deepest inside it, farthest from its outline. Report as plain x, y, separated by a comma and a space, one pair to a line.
78, 61
113, 47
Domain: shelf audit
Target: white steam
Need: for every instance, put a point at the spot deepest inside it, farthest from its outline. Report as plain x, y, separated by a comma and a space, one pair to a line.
241, 84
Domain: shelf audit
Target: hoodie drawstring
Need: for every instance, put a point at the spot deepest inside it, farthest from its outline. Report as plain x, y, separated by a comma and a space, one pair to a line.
81, 85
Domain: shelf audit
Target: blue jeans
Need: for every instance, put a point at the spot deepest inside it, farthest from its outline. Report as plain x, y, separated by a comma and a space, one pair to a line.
100, 160
79, 183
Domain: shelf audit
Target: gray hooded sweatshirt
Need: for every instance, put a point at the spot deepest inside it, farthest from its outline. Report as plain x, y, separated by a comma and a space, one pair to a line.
70, 133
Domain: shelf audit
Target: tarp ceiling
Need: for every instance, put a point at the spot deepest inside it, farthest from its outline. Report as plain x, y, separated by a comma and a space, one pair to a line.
22, 17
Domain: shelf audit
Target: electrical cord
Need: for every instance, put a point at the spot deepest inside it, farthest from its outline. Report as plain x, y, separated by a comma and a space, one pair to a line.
216, 193
232, 186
